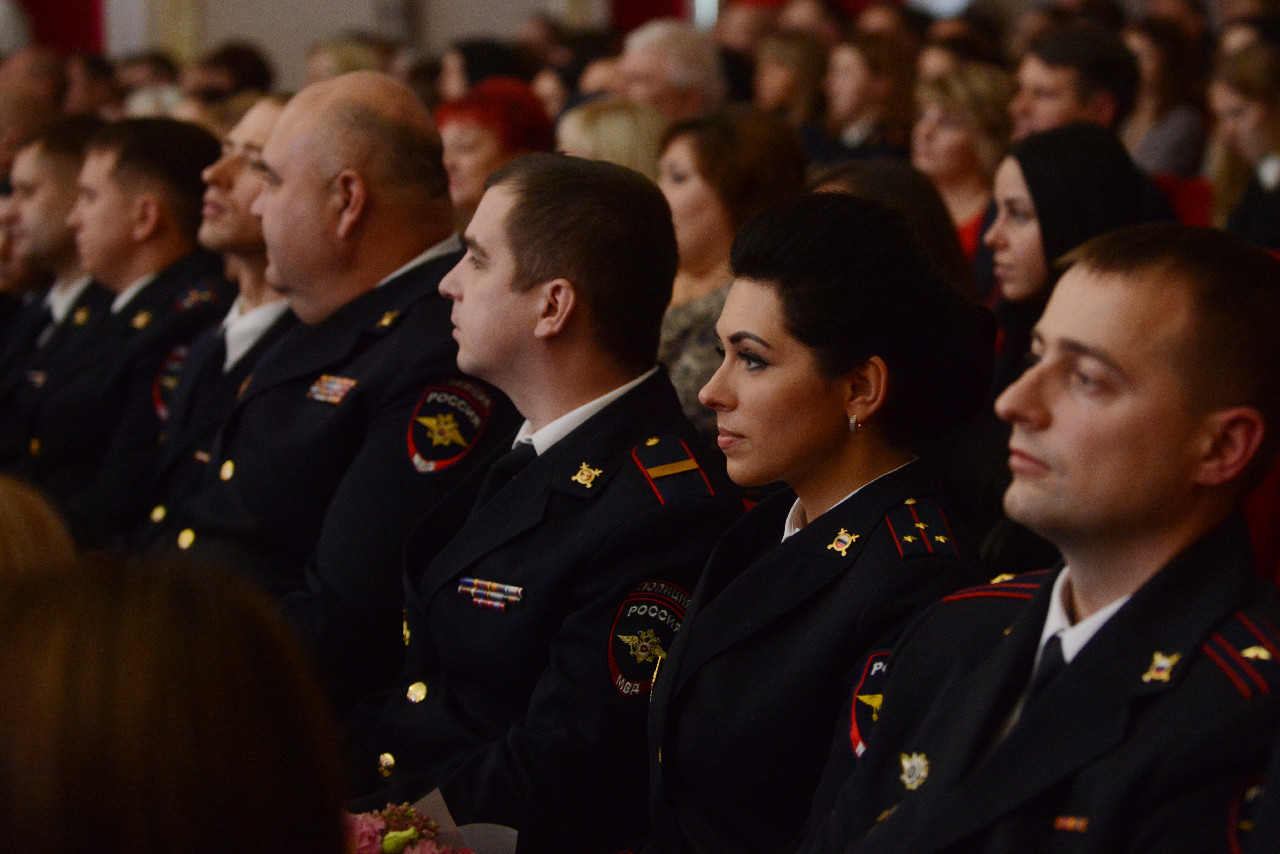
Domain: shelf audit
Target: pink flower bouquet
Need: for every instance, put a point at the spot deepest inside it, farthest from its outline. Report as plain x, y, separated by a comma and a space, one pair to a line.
395, 830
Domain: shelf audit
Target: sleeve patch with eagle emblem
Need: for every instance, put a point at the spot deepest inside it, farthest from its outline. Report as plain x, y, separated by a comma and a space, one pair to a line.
446, 424
642, 633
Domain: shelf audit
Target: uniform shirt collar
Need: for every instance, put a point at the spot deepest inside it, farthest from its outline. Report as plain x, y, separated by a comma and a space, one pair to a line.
242, 329
796, 519
1058, 622
452, 243
63, 295
1268, 170
564, 425
126, 296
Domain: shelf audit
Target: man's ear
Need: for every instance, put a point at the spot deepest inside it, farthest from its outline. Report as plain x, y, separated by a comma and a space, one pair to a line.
1231, 440
558, 302
351, 196
145, 213
868, 388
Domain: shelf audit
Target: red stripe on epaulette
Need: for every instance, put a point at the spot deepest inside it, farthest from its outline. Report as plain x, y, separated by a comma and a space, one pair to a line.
1226, 668
1240, 662
915, 515
987, 594
896, 542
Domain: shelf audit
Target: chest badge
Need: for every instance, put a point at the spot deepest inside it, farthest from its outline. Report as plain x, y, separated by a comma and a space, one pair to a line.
915, 770
330, 389
842, 542
586, 475
1161, 667
141, 320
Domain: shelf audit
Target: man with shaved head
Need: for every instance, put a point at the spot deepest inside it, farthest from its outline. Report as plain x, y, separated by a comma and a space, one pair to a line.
358, 420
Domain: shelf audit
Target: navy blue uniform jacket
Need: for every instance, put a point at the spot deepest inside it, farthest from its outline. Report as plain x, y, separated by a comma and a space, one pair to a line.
1148, 741
747, 703
533, 715
344, 435
93, 409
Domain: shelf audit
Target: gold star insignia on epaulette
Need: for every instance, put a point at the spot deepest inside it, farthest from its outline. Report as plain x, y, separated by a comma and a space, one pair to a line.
1161, 667
938, 538
921, 525
1002, 578
586, 475
909, 501
81, 316
842, 542
1257, 653
651, 441
388, 319
908, 539
140, 320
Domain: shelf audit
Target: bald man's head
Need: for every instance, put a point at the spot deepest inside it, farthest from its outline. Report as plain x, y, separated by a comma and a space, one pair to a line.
374, 124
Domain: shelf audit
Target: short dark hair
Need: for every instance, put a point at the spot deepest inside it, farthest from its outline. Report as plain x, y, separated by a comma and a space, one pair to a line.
750, 158
607, 230
166, 151
66, 138
854, 283
1234, 358
1100, 59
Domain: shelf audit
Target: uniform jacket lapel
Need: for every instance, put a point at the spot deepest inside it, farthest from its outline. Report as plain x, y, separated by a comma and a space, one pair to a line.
786, 574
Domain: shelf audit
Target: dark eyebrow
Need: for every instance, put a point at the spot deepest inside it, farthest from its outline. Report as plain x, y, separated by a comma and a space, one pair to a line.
1079, 348
747, 336
476, 249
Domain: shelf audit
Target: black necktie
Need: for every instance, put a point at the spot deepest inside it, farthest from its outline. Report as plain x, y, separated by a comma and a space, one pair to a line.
504, 469
1051, 662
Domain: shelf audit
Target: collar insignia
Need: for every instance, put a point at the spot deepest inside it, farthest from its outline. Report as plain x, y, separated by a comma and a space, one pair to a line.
1161, 667
842, 542
586, 475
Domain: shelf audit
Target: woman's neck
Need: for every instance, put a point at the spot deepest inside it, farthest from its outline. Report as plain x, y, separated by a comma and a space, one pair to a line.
966, 196
694, 282
859, 463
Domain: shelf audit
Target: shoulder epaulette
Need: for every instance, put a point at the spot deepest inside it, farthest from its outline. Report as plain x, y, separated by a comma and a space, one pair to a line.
919, 527
1248, 652
1021, 586
668, 465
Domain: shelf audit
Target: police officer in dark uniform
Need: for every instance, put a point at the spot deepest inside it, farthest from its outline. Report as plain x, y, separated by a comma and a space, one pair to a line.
535, 630
846, 357
91, 415
1124, 701
44, 188
223, 357
357, 420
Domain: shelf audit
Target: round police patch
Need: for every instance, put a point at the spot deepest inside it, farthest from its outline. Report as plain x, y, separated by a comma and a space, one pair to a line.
446, 423
642, 633
167, 381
